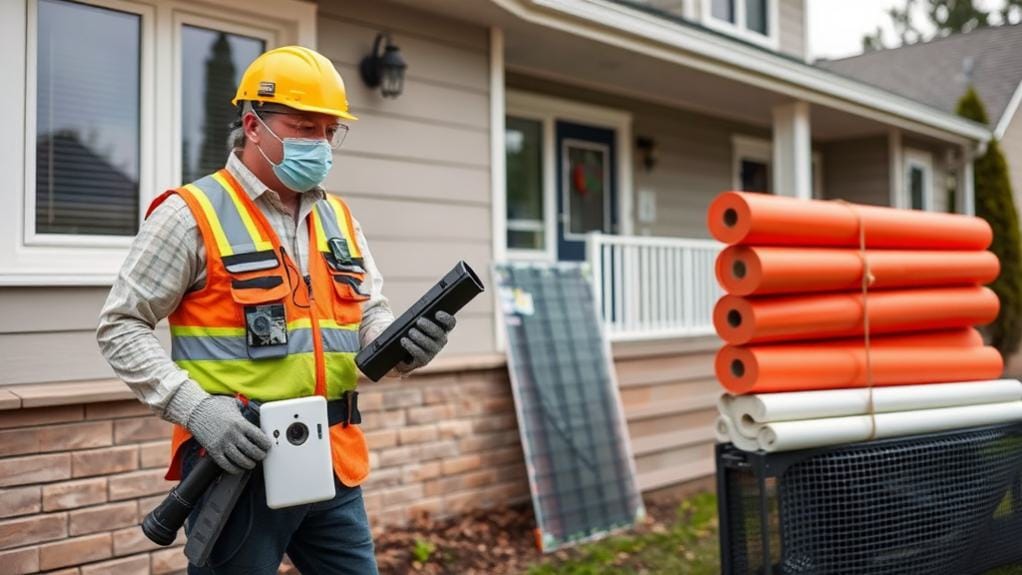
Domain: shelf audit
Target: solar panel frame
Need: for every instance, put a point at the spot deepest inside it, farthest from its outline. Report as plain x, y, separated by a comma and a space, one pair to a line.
578, 456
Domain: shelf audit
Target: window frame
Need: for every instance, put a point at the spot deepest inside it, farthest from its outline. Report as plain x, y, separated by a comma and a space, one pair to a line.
548, 252
28, 258
739, 27
755, 149
549, 110
916, 158
30, 236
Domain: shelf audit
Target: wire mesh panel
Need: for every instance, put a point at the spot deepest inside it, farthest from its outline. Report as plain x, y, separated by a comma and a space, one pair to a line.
948, 503
581, 472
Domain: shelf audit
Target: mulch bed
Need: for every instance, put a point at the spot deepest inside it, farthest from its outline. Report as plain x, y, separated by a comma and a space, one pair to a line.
498, 541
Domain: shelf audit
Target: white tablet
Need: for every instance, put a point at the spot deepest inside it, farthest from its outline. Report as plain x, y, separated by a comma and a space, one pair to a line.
298, 467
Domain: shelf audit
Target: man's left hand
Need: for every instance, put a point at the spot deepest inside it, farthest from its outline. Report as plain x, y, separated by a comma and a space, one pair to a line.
425, 340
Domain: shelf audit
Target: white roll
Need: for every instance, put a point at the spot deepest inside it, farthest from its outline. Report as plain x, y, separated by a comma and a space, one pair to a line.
726, 431
745, 411
792, 435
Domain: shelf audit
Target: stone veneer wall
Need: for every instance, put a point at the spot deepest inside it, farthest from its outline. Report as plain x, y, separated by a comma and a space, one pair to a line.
75, 480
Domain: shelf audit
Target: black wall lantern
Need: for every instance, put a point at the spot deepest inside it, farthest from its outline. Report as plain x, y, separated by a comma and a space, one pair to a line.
648, 147
386, 70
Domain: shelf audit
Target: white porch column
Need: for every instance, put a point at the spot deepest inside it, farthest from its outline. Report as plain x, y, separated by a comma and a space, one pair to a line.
968, 199
793, 153
896, 165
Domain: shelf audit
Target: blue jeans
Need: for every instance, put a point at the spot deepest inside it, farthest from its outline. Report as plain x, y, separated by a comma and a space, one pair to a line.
326, 537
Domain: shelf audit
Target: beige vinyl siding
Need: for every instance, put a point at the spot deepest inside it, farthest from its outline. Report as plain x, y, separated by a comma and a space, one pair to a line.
415, 169
792, 27
857, 170
1011, 146
694, 154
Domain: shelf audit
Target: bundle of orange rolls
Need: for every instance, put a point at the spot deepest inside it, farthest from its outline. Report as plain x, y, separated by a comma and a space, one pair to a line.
796, 312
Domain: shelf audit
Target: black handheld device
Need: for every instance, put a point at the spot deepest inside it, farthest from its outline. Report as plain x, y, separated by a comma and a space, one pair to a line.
450, 294
162, 523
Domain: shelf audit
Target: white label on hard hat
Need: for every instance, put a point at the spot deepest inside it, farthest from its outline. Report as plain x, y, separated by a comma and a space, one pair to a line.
267, 88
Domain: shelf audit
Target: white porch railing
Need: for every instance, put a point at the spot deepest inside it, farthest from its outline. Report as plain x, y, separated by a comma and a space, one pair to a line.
648, 287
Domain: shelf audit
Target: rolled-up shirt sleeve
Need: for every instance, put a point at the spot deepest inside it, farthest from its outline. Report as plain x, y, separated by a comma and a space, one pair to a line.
164, 262
376, 312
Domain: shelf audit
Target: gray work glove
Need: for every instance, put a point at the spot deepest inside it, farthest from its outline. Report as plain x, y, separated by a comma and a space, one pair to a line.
229, 438
425, 340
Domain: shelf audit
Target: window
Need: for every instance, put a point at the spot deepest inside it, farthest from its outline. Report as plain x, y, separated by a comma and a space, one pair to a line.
121, 100
918, 187
523, 142
87, 121
751, 164
752, 20
212, 62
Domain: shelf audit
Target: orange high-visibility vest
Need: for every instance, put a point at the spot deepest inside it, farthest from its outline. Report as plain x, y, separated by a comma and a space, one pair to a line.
247, 273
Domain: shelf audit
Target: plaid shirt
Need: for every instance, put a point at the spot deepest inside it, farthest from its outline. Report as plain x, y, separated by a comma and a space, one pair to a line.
168, 260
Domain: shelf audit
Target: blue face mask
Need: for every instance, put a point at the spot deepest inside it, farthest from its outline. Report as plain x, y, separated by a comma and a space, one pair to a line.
305, 164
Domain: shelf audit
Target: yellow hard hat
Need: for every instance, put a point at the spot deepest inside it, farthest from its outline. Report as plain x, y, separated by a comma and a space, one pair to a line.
298, 78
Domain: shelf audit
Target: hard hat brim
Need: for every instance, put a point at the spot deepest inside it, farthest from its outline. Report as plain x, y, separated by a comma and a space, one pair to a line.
305, 108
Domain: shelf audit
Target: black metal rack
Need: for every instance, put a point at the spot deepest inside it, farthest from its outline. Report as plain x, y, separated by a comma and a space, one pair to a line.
945, 503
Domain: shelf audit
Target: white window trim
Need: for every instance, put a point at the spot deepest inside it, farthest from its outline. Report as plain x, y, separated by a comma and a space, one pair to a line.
739, 29
751, 148
57, 259
549, 110
913, 158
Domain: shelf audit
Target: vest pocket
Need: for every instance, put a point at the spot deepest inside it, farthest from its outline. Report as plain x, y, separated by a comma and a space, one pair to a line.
348, 297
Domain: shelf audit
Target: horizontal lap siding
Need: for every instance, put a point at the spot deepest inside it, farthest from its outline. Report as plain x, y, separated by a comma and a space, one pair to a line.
792, 27
415, 170
857, 171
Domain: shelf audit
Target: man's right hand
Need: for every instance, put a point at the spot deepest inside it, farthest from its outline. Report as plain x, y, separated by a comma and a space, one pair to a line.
229, 438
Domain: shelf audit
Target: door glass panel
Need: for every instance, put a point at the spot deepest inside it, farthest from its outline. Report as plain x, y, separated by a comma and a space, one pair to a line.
587, 176
524, 164
755, 176
212, 63
87, 120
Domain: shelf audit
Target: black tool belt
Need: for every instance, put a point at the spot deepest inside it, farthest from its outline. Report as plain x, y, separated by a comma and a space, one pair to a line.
344, 410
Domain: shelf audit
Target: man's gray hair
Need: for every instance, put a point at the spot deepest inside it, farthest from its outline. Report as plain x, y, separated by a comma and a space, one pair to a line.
236, 139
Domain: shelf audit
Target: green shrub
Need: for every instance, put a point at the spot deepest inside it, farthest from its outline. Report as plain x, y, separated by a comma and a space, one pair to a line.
996, 205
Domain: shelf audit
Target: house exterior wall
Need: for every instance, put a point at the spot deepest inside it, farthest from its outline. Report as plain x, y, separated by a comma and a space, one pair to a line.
857, 171
694, 156
792, 15
415, 171
1011, 146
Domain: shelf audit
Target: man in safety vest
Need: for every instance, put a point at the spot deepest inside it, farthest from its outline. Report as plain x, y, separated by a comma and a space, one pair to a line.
270, 291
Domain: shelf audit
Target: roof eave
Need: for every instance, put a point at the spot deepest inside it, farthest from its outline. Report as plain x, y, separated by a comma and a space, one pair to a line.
628, 28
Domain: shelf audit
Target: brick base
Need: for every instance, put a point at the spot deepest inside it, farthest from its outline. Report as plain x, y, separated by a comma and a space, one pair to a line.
75, 480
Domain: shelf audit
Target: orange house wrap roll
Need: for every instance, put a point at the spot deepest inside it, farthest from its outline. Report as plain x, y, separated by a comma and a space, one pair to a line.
749, 270
741, 320
896, 360
760, 219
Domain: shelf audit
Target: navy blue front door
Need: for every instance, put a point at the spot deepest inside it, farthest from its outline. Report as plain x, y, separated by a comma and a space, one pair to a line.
586, 190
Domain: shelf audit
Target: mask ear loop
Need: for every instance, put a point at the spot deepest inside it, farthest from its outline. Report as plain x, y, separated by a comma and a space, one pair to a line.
248, 108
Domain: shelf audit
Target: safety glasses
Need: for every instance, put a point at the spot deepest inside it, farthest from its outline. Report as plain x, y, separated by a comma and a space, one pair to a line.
336, 133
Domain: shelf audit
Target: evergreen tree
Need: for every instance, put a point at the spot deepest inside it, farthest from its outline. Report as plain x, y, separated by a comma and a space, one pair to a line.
995, 204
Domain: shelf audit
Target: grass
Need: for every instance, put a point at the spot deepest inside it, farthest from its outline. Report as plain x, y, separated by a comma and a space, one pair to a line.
688, 546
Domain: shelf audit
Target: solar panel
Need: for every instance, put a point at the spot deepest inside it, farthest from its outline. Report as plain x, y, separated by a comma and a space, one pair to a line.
581, 471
